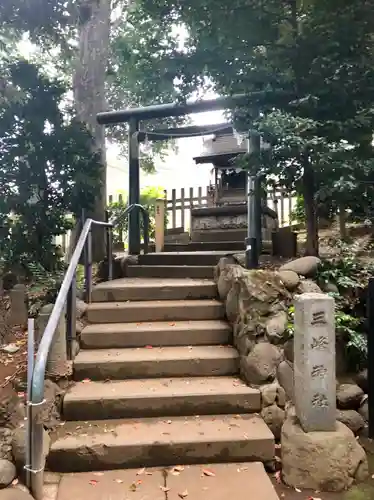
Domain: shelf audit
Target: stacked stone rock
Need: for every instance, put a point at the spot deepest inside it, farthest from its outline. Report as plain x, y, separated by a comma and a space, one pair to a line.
257, 303
13, 438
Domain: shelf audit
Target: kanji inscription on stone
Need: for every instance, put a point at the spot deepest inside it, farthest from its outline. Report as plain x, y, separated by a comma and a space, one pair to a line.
314, 362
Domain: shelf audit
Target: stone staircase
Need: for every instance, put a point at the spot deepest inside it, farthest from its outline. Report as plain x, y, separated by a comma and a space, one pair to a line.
157, 379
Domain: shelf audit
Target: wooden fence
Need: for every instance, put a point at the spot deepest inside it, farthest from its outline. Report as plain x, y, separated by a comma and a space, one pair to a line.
179, 205
180, 202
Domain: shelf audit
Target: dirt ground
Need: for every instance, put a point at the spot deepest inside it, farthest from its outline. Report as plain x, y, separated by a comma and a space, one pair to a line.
13, 365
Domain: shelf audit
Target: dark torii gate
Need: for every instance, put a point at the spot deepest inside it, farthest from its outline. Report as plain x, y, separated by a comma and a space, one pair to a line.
134, 116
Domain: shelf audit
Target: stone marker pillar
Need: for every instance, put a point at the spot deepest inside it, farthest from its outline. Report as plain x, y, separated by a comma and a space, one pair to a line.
18, 305
314, 363
159, 224
58, 364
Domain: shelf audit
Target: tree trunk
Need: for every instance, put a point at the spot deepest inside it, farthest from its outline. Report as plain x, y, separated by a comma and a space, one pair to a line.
311, 247
89, 92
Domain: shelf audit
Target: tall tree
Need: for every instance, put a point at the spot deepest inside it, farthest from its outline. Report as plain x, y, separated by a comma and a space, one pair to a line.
318, 51
92, 49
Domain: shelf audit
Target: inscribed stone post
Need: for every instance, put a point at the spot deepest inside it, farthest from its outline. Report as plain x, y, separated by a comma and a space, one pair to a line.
159, 224
18, 305
314, 362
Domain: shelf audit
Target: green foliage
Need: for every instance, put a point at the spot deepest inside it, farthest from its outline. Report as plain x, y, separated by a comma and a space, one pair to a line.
346, 271
314, 59
47, 169
148, 197
348, 328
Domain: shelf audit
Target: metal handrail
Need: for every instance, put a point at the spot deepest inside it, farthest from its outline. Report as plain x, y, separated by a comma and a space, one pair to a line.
119, 217
35, 404
66, 294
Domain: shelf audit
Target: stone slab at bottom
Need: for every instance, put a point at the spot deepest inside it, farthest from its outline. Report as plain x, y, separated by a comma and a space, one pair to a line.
218, 482
324, 461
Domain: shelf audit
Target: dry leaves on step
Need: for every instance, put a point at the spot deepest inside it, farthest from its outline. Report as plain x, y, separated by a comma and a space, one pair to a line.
119, 481
93, 482
140, 471
208, 472
277, 476
184, 494
165, 489
134, 485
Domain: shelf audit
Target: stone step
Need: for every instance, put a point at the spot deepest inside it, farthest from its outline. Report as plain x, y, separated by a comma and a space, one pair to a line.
195, 258
191, 361
111, 444
219, 235
195, 272
154, 310
149, 288
230, 480
225, 246
160, 397
158, 333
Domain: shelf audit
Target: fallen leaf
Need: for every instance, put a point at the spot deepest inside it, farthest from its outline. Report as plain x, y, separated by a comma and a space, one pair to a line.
84, 381
149, 346
119, 481
171, 324
98, 473
134, 485
164, 489
184, 494
14, 482
93, 482
178, 468
277, 476
297, 489
140, 471
208, 472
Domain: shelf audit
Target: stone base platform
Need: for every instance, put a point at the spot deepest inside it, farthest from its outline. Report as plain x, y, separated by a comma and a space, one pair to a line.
323, 461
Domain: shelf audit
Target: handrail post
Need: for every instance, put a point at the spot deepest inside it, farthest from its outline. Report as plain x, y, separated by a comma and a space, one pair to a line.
109, 247
88, 266
145, 228
159, 224
29, 422
370, 365
71, 315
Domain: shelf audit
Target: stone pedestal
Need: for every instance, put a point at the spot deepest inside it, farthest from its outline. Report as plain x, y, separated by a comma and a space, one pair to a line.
323, 461
314, 362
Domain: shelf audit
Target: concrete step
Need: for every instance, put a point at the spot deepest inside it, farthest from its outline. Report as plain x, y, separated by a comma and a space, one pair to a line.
195, 272
219, 235
101, 445
160, 397
191, 361
154, 310
225, 246
158, 333
149, 288
207, 258
230, 480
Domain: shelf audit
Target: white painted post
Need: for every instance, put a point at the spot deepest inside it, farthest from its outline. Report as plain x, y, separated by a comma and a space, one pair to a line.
159, 224
314, 364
